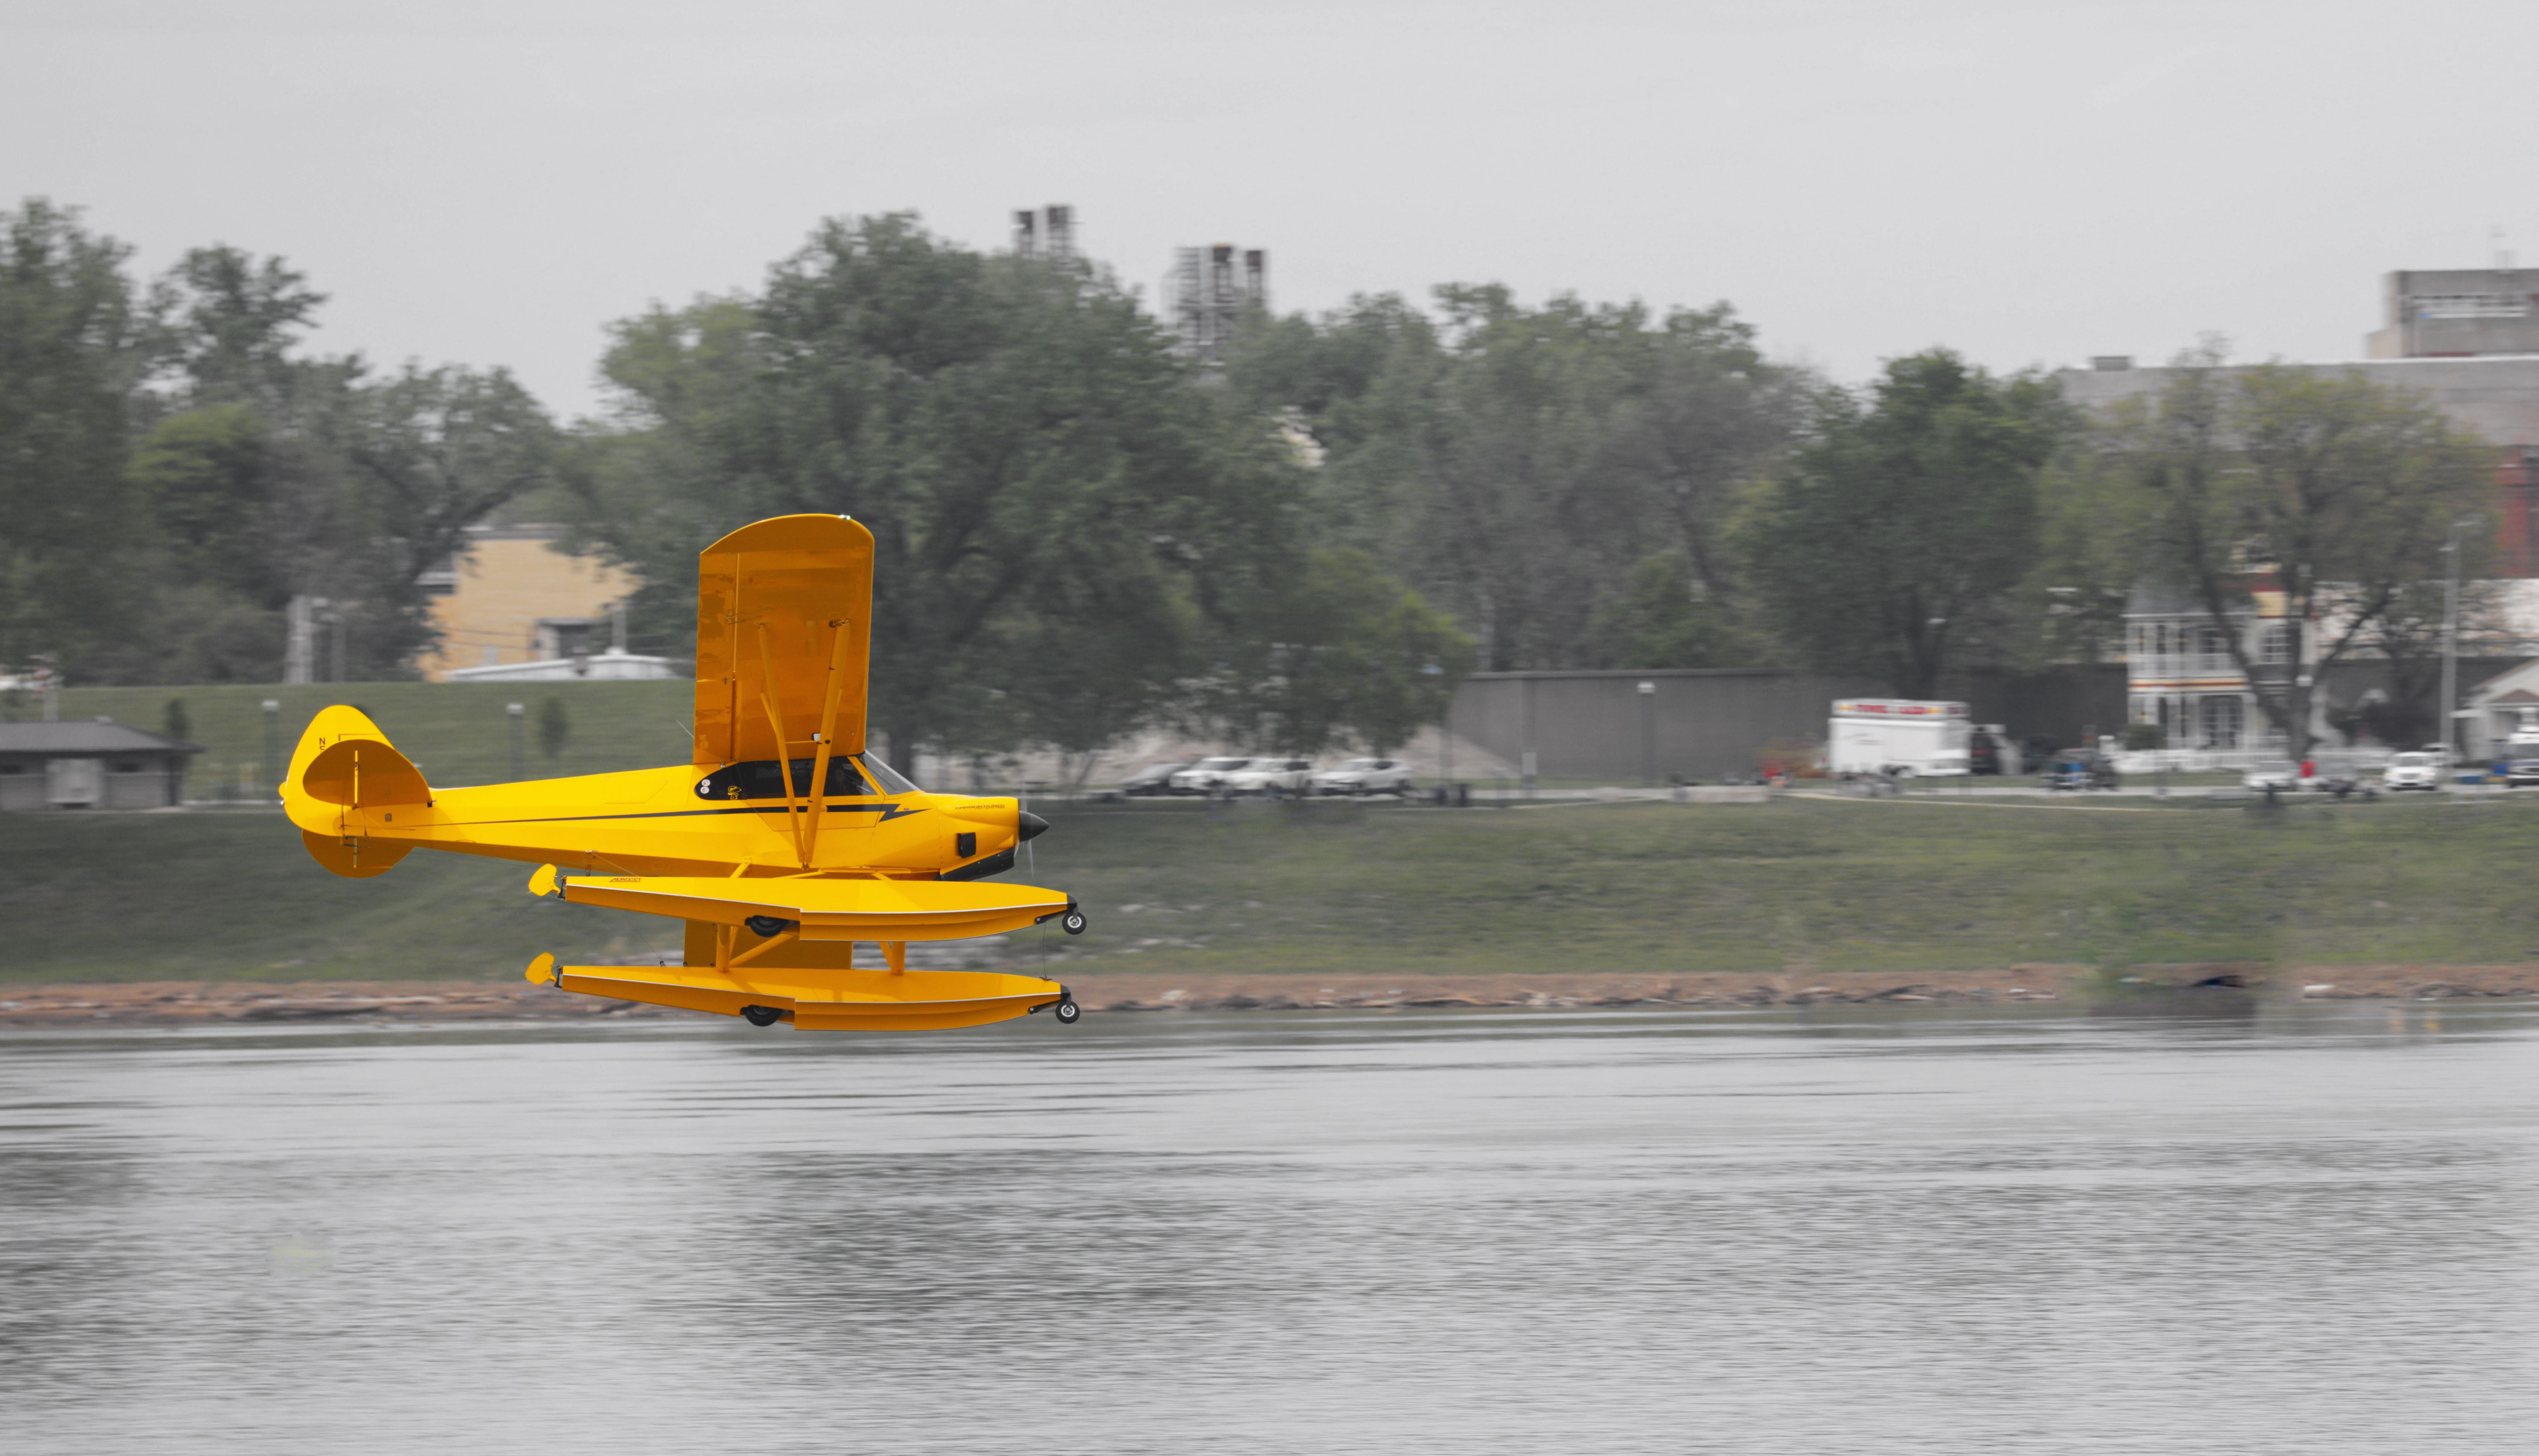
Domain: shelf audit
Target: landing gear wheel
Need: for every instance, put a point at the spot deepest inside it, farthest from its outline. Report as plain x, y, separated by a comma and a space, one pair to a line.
767, 927
761, 1015
1072, 922
1066, 1012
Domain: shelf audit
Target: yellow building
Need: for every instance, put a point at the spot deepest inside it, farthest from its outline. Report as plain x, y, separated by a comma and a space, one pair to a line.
509, 599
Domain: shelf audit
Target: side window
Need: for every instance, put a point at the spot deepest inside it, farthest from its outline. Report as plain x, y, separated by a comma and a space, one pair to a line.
760, 780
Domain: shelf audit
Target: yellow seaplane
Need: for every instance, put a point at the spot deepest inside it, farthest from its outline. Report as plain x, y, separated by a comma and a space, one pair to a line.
783, 844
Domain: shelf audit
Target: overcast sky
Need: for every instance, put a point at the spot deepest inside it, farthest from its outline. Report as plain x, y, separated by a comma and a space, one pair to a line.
2029, 183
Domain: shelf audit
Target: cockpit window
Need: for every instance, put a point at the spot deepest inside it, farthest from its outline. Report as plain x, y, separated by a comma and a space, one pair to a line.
760, 780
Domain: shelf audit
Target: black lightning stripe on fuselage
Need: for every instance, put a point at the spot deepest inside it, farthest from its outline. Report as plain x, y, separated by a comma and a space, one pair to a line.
887, 811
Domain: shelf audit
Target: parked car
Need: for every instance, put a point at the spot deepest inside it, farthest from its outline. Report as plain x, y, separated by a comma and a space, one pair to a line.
2413, 771
2080, 769
2282, 774
1365, 776
1154, 778
1273, 776
2522, 773
1205, 776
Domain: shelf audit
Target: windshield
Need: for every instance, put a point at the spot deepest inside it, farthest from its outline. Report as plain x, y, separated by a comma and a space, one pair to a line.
885, 778
2276, 765
2412, 760
1222, 762
1359, 765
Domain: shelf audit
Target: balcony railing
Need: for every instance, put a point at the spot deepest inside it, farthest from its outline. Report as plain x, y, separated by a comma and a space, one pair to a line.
2168, 666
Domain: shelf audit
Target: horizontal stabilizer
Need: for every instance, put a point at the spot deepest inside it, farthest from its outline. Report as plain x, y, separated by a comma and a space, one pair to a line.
826, 910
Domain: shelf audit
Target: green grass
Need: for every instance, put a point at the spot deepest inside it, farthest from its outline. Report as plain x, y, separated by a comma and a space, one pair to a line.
458, 731
1811, 886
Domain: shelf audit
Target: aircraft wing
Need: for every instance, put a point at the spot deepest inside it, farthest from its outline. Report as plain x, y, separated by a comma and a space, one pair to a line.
824, 910
784, 638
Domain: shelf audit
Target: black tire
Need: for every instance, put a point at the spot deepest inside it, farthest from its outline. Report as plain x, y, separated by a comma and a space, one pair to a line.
761, 1015
1066, 1012
1072, 922
767, 927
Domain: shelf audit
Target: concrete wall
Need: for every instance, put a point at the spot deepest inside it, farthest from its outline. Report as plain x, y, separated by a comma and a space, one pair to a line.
1709, 723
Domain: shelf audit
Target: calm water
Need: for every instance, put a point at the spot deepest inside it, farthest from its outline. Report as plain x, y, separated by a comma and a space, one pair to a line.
1899, 1233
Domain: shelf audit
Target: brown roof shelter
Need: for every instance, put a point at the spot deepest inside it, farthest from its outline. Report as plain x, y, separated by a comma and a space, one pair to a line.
100, 764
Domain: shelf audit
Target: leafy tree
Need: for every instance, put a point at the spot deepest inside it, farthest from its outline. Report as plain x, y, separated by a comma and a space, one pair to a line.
175, 472
2333, 493
1341, 653
225, 323
1895, 540
1516, 464
1043, 478
73, 348
1662, 617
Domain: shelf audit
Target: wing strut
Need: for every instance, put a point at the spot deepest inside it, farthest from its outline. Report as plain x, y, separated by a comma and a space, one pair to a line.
784, 750
828, 740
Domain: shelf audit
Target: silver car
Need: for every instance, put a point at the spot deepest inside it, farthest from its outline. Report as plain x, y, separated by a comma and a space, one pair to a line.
1365, 776
2273, 774
1273, 776
1205, 776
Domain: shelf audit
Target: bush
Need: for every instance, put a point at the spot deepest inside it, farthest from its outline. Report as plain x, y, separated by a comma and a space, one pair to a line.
2141, 736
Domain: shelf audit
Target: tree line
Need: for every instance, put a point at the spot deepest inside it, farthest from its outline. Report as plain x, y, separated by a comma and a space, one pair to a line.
174, 469
1082, 532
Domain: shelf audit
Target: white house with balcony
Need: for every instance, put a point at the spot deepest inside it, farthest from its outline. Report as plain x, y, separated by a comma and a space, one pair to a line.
2182, 675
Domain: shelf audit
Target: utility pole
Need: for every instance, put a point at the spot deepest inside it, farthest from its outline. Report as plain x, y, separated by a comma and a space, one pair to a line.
1648, 734
520, 715
273, 744
2450, 643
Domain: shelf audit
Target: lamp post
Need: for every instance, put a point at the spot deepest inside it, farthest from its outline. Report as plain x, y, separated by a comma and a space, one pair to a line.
273, 744
1648, 734
520, 715
2451, 642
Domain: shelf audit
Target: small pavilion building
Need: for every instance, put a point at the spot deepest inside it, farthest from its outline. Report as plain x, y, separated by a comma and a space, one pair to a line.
99, 765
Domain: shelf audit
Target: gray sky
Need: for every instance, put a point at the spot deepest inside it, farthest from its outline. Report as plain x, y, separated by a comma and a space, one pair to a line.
2029, 182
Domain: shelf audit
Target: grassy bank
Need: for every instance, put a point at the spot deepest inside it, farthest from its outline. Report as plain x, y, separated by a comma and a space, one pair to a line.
1815, 885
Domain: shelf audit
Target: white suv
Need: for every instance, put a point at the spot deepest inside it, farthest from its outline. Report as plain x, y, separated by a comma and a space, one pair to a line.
1205, 776
1272, 776
1365, 776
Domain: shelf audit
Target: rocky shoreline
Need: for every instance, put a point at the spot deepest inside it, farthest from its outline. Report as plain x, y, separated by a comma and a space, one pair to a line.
371, 1003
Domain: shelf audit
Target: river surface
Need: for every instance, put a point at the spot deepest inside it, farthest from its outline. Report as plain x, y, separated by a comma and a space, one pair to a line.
2007, 1229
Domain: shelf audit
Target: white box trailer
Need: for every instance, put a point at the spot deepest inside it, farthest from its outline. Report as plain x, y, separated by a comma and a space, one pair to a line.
1875, 734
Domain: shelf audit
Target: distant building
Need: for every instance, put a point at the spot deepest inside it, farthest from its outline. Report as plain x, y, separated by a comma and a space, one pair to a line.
2457, 313
510, 600
2180, 673
2497, 710
102, 764
1211, 295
